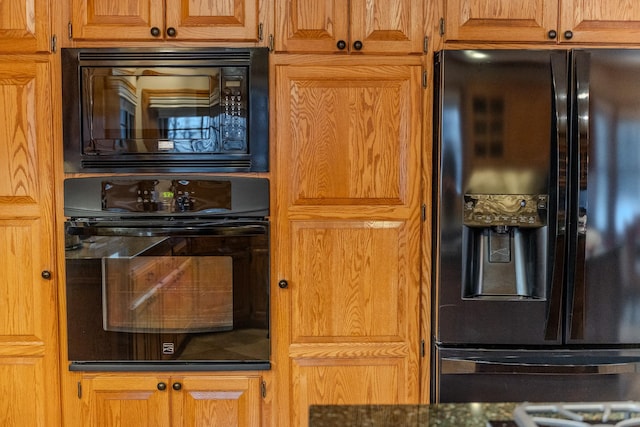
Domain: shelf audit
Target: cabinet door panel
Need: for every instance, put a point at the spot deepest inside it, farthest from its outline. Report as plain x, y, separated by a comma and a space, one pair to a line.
387, 26
117, 19
501, 20
311, 25
382, 26
348, 238
131, 401
349, 281
25, 26
613, 21
350, 382
28, 307
216, 401
350, 135
229, 19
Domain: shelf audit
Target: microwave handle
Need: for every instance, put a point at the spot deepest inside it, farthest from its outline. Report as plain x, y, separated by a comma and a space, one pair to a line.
142, 231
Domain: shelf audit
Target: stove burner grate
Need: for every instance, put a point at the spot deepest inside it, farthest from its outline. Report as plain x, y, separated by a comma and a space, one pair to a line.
615, 414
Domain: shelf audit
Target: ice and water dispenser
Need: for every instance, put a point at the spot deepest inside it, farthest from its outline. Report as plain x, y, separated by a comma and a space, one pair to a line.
504, 245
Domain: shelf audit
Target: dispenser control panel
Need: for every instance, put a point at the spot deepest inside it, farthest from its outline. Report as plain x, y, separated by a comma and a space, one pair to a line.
516, 210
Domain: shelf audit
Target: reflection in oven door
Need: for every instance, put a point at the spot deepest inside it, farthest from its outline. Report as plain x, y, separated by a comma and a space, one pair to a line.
139, 297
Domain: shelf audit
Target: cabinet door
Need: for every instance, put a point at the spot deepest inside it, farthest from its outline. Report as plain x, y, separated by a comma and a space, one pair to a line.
28, 303
117, 19
501, 20
387, 26
126, 401
312, 25
25, 26
379, 26
215, 20
348, 221
230, 401
612, 21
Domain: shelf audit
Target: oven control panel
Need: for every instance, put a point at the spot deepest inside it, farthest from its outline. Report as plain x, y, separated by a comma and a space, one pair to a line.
101, 197
166, 195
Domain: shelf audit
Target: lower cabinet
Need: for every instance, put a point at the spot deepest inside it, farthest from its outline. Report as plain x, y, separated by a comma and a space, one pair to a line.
157, 400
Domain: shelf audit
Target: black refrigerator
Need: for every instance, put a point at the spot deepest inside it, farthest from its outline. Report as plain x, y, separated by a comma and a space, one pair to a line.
536, 220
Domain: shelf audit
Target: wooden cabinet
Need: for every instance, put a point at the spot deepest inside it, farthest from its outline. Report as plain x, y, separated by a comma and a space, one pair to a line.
347, 214
25, 26
136, 400
579, 21
348, 26
28, 283
235, 20
613, 21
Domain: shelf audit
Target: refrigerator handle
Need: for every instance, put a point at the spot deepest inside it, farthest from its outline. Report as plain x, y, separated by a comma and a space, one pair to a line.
558, 196
465, 366
577, 292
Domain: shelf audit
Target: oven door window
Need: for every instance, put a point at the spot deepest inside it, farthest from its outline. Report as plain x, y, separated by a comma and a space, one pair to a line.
168, 297
168, 294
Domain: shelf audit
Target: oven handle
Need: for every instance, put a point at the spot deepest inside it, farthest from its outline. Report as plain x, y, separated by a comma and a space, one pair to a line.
193, 230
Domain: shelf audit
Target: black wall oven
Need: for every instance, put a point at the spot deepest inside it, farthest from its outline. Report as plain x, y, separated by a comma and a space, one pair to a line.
167, 273
165, 110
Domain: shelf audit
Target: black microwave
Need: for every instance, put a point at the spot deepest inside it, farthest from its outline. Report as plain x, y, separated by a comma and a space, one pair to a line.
165, 110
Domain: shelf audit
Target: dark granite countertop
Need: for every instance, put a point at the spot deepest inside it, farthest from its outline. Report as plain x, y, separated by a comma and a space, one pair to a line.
441, 415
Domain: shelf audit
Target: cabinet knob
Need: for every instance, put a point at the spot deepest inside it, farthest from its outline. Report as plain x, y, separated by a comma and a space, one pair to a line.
177, 386
357, 45
568, 35
283, 284
162, 386
171, 32
46, 274
155, 31
552, 34
341, 44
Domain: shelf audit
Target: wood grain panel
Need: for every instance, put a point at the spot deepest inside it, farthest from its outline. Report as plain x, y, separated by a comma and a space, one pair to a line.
387, 25
94, 19
346, 382
348, 233
199, 19
18, 141
311, 25
349, 134
231, 401
25, 26
613, 21
23, 384
347, 281
133, 401
28, 303
501, 20
383, 26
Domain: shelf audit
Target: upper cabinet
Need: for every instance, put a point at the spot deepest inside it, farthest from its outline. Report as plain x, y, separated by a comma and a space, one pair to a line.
349, 26
235, 20
25, 26
611, 21
576, 21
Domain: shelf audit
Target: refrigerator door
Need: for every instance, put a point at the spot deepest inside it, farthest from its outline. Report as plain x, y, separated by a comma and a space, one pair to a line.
466, 375
604, 291
499, 183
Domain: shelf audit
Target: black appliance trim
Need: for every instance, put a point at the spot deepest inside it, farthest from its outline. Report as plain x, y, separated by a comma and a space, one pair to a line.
145, 366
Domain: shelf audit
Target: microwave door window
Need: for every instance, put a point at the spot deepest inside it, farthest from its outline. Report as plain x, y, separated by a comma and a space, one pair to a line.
138, 111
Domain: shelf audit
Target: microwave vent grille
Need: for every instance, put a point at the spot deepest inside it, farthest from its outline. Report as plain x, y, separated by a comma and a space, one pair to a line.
167, 56
192, 165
